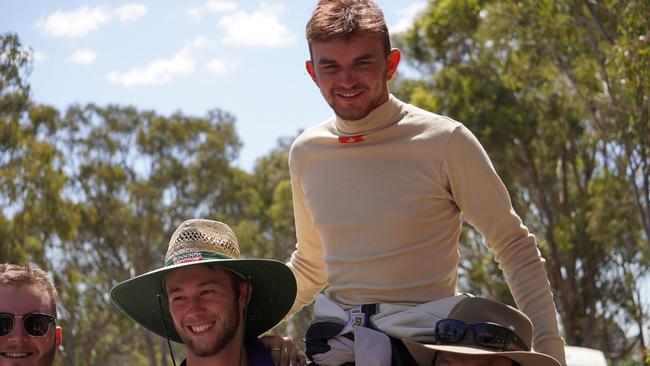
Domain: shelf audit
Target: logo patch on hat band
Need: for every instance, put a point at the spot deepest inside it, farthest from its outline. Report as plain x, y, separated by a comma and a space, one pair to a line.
194, 257
187, 257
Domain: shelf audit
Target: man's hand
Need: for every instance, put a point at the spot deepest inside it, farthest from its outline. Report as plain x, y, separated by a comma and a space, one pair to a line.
283, 351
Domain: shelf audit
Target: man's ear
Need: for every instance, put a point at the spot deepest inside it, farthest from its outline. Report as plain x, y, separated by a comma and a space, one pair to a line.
245, 293
310, 70
58, 337
392, 62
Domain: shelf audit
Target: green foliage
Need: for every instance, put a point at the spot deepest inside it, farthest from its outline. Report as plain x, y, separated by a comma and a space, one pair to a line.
94, 194
15, 66
134, 176
31, 176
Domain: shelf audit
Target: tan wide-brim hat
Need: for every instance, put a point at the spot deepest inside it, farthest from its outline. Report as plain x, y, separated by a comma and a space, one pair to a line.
207, 242
478, 310
424, 354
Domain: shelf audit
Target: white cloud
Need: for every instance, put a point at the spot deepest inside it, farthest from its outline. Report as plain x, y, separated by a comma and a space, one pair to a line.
157, 72
39, 56
75, 23
219, 6
260, 28
84, 56
407, 14
213, 6
195, 45
80, 22
195, 13
131, 12
163, 70
220, 67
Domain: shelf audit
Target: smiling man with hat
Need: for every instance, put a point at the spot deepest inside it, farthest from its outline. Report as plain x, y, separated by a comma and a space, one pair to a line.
481, 332
210, 299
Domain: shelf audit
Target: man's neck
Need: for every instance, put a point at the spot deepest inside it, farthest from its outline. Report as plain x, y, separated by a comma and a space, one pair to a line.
228, 356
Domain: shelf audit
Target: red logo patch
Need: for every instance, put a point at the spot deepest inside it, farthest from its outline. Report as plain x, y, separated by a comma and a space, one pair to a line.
350, 139
185, 258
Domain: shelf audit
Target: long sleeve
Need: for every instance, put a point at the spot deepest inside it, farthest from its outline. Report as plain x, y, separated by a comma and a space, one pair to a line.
306, 261
485, 202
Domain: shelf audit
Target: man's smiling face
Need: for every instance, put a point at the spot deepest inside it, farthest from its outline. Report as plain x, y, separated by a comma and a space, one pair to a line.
352, 73
205, 308
18, 348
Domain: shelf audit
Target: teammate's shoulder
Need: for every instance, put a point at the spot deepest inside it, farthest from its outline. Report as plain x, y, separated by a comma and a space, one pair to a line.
428, 120
320, 130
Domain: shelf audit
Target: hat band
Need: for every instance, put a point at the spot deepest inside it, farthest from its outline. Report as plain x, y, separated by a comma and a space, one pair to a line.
194, 257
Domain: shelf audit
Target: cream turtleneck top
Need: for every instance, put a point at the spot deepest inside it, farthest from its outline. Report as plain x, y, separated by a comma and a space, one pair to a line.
378, 220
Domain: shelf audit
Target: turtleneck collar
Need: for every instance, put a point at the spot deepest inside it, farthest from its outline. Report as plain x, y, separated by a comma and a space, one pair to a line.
379, 118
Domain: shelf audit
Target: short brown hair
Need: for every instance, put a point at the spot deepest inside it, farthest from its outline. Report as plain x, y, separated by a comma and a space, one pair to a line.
346, 18
17, 275
234, 277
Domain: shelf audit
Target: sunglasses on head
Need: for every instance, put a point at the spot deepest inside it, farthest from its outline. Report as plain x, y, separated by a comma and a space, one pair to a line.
34, 324
488, 335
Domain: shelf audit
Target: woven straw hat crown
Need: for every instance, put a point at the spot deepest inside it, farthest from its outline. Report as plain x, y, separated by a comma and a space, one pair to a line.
199, 235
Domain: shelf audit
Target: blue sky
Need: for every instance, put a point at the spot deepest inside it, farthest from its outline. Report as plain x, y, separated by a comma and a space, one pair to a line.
245, 57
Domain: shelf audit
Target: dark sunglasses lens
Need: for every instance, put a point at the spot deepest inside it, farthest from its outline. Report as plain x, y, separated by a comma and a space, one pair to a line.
491, 336
6, 324
450, 331
36, 325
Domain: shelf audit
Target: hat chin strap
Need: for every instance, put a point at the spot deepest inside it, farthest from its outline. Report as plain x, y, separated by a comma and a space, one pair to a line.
243, 329
162, 316
243, 336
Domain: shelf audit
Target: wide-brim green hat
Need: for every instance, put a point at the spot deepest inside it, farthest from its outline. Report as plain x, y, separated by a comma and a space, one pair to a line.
212, 243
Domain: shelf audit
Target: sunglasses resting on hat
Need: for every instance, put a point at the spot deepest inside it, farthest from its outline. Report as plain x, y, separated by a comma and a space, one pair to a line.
488, 335
34, 324
480, 329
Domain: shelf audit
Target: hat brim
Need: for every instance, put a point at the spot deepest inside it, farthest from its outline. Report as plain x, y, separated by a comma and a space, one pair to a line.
273, 283
424, 354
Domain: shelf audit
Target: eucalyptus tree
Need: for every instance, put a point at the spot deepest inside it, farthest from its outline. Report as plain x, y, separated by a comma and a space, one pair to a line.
134, 175
93, 195
33, 215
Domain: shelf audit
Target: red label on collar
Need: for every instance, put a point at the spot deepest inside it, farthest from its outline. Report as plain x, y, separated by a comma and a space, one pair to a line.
350, 139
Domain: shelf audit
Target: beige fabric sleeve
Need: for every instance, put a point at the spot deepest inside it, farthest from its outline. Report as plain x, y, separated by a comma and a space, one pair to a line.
484, 200
307, 262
